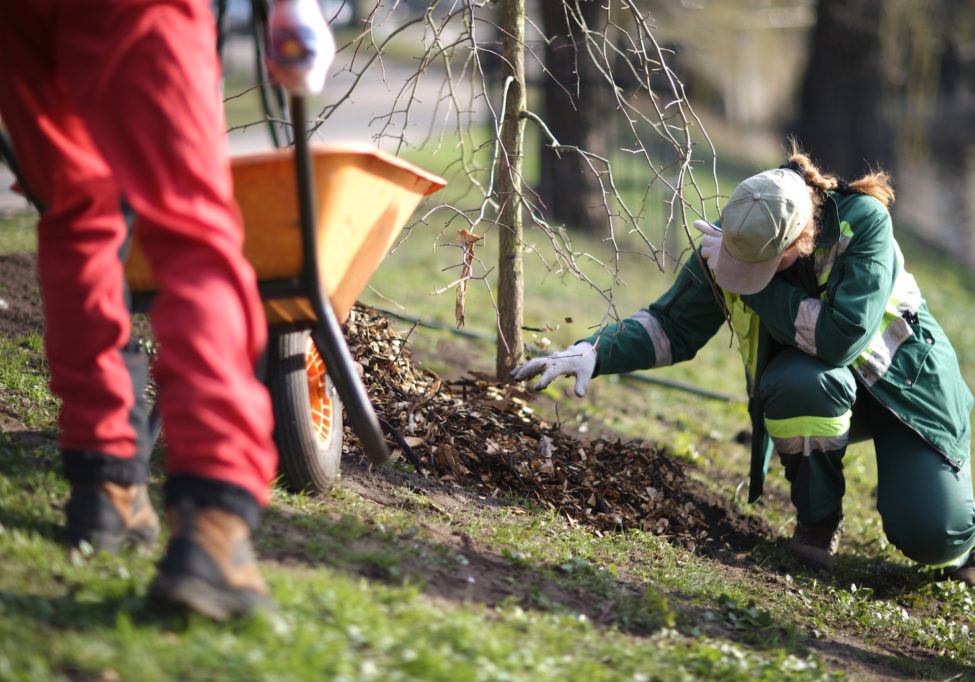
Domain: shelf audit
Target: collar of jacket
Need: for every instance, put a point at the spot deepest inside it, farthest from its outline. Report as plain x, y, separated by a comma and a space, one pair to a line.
829, 222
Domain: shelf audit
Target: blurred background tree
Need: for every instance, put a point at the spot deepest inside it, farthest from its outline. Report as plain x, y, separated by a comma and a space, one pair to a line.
843, 116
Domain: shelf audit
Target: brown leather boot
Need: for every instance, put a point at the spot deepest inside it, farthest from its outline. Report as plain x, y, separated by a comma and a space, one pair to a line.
209, 566
109, 516
816, 544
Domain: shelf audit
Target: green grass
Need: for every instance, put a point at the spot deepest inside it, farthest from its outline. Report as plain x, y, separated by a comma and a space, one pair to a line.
23, 380
17, 233
67, 615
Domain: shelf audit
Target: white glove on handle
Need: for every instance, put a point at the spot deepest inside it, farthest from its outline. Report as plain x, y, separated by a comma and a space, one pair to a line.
300, 46
710, 242
578, 360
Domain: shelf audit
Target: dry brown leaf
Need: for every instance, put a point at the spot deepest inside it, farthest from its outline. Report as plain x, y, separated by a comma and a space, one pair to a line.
477, 433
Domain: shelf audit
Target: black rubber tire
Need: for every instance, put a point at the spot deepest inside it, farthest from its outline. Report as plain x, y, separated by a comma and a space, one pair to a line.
309, 453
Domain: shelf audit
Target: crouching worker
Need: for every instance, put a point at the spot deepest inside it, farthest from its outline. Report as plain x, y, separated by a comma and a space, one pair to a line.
838, 345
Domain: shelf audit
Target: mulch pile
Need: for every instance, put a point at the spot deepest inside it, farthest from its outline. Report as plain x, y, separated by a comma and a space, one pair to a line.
481, 435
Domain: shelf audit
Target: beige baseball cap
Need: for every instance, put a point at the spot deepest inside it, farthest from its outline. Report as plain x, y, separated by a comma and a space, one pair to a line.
764, 215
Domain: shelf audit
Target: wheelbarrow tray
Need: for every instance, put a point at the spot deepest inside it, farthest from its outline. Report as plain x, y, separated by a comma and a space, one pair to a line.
364, 197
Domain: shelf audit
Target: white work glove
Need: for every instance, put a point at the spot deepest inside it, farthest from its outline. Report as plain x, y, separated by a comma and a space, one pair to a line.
578, 361
300, 46
710, 242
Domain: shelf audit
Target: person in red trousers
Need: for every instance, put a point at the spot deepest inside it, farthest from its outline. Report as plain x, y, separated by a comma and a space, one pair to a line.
108, 100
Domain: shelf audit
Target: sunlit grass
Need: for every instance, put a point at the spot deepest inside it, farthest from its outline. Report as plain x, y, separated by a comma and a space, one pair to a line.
17, 233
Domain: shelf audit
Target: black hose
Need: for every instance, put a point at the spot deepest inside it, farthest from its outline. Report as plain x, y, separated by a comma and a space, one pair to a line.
634, 376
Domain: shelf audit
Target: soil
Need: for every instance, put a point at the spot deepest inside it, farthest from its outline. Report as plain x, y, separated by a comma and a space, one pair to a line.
21, 311
484, 576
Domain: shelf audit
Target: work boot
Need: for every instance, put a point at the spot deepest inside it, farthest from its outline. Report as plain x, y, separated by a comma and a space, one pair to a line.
109, 516
815, 544
209, 566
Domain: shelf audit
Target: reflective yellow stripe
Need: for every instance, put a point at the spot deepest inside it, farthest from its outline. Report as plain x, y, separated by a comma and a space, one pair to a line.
809, 426
880, 352
825, 257
894, 330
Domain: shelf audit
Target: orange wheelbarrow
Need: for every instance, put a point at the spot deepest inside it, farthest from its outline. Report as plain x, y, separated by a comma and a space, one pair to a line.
312, 263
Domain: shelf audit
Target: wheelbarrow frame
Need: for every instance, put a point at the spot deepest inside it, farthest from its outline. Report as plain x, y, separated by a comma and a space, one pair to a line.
318, 317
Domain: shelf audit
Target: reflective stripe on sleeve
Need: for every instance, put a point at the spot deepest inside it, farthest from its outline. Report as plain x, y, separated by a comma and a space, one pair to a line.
661, 342
894, 330
806, 318
875, 361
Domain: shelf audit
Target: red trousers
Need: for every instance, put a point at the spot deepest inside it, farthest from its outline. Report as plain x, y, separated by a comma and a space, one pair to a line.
112, 98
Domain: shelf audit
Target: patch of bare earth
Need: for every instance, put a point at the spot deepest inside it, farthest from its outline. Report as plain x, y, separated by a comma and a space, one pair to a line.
475, 445
21, 312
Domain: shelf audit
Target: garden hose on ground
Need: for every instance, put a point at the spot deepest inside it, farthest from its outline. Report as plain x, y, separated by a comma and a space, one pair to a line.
633, 376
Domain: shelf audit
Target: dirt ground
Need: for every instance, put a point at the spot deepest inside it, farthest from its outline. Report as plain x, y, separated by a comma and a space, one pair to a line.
21, 311
487, 577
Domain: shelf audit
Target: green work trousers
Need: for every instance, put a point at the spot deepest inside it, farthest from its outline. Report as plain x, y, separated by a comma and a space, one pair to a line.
811, 409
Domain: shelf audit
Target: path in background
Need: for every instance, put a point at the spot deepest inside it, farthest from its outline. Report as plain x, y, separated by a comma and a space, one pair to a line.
10, 201
365, 116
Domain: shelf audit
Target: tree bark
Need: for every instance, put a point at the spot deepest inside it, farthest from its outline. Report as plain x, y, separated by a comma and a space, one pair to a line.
511, 287
844, 119
576, 97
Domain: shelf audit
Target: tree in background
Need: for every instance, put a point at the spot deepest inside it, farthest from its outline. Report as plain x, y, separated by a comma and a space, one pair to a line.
890, 84
576, 96
511, 290
844, 118
930, 52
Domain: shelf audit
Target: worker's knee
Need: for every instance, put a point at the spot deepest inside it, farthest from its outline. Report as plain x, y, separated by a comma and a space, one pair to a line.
795, 384
930, 533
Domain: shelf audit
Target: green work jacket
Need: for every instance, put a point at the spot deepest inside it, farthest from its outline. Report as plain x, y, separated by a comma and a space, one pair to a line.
851, 304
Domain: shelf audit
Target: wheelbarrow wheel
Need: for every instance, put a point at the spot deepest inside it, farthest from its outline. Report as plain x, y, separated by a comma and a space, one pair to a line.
307, 413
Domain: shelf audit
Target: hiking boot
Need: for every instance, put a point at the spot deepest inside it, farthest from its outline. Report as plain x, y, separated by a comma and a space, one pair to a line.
109, 516
209, 566
815, 544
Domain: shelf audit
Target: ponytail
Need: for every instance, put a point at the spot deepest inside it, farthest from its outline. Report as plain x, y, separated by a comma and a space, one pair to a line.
876, 183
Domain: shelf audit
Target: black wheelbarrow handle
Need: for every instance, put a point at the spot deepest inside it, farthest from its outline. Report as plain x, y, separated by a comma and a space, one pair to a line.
327, 334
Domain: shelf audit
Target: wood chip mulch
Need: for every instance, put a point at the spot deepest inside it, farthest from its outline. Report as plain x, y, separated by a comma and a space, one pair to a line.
481, 435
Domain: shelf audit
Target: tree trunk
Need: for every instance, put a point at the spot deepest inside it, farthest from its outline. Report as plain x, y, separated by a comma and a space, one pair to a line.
511, 286
843, 120
576, 97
